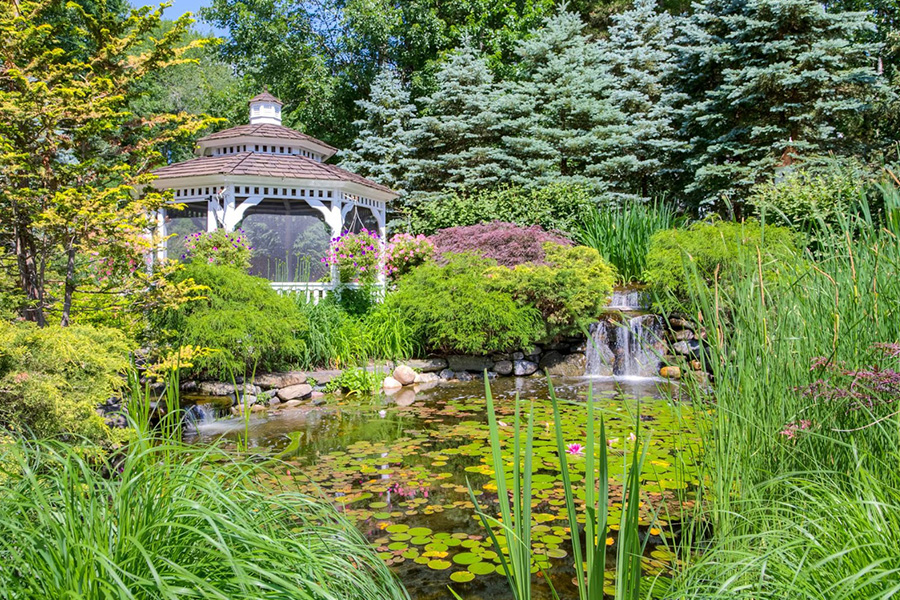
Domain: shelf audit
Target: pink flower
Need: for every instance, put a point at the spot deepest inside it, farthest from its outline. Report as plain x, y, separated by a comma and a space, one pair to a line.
575, 449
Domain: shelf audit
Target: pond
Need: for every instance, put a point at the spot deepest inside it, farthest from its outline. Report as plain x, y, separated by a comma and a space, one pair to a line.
399, 469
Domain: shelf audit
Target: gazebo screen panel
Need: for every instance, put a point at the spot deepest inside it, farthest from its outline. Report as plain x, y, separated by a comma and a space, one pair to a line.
191, 219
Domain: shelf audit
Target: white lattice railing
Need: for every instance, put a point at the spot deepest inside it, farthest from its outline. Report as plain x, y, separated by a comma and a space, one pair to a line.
314, 290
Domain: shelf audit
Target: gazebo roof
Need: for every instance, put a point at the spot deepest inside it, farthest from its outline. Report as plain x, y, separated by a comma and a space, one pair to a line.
266, 97
254, 164
266, 130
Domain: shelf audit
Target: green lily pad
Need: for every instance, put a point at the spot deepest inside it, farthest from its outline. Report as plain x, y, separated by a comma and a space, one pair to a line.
462, 576
439, 565
481, 568
466, 558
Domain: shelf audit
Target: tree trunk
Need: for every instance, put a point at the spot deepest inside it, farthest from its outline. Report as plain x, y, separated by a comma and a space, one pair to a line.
70, 284
29, 281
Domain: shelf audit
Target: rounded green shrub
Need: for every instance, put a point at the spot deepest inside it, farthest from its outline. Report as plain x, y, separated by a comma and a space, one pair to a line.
454, 308
711, 251
52, 379
241, 317
569, 289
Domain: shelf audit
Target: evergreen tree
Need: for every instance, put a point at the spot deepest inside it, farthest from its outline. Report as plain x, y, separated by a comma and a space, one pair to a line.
457, 137
560, 123
767, 83
639, 55
381, 148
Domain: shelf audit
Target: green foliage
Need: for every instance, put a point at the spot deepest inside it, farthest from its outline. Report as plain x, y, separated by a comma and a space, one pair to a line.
768, 83
52, 379
242, 317
356, 381
621, 234
219, 247
802, 486
807, 199
338, 338
554, 207
454, 308
713, 251
165, 522
570, 290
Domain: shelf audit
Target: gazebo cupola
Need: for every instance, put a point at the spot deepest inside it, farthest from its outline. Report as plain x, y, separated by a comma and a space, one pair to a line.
274, 183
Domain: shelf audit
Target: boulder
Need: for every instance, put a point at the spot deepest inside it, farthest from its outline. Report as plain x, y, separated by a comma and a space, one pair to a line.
274, 402
463, 376
676, 323
463, 362
670, 372
291, 404
405, 375
428, 365
503, 367
518, 356
390, 383
268, 381
531, 351
563, 365
426, 378
524, 367
293, 392
257, 408
446, 374
324, 376
216, 388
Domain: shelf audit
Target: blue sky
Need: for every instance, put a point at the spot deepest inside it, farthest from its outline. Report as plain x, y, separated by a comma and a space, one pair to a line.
179, 7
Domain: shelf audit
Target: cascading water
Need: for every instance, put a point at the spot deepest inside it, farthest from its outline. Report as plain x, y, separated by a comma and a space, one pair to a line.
203, 412
627, 342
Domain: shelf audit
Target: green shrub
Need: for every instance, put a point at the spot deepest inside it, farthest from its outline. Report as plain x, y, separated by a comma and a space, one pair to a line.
219, 247
621, 234
570, 290
356, 381
711, 250
164, 522
242, 317
454, 308
53, 379
553, 207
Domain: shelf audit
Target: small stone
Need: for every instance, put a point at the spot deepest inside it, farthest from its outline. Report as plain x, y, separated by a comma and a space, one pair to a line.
404, 375
670, 372
428, 365
563, 365
446, 374
316, 395
533, 350
257, 408
524, 367
682, 348
269, 381
677, 323
274, 402
700, 377
463, 375
318, 402
294, 391
695, 365
518, 356
391, 384
291, 404
684, 335
503, 367
426, 378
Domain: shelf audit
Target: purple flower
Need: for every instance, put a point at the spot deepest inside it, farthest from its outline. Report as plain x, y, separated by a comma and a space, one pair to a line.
575, 449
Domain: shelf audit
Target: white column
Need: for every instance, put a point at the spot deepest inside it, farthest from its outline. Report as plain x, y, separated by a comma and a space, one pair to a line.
381, 216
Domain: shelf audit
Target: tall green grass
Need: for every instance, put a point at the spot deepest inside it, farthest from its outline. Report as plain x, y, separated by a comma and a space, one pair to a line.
813, 514
621, 234
515, 523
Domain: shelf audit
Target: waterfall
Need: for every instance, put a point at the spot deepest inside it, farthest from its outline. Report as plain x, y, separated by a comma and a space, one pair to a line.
203, 412
626, 342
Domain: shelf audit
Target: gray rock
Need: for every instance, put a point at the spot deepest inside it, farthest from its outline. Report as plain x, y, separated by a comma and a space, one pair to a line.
503, 367
218, 388
428, 365
446, 374
462, 362
190, 386
390, 383
266, 395
518, 356
301, 390
684, 334
324, 376
676, 322
268, 381
405, 375
524, 367
274, 402
502, 356
563, 365
532, 351
426, 378
682, 348
318, 402
463, 376
291, 404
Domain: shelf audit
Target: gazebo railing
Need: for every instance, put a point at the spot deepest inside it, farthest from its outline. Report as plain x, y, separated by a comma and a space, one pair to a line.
314, 290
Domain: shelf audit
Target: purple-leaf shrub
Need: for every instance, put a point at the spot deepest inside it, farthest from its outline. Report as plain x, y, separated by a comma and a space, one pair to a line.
506, 243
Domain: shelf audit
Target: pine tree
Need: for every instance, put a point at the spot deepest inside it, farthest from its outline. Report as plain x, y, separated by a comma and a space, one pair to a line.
767, 83
382, 147
639, 56
560, 123
457, 136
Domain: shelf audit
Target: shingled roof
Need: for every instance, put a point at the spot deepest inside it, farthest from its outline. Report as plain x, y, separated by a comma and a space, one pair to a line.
264, 165
266, 130
266, 97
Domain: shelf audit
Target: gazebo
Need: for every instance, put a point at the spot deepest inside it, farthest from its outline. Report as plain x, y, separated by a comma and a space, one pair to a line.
273, 183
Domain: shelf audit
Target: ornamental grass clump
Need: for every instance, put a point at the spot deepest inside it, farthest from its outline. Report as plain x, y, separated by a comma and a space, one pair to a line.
167, 522
219, 247
356, 256
506, 243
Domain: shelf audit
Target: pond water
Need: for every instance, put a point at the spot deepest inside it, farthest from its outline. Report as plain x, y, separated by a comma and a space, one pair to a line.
399, 469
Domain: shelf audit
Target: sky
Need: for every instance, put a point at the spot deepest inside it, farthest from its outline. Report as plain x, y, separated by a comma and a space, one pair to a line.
179, 7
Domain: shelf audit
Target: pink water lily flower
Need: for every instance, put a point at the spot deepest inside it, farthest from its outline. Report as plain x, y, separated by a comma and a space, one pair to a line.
575, 449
